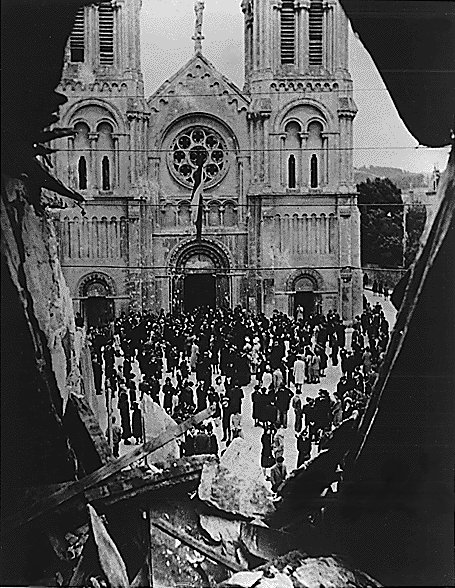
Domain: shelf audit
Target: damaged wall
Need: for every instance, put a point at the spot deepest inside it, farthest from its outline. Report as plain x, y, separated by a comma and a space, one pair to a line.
39, 363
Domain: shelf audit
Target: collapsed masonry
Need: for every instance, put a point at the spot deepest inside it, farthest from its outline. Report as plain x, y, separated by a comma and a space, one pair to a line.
73, 515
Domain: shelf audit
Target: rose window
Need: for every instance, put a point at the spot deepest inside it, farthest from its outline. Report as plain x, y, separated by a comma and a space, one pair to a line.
195, 145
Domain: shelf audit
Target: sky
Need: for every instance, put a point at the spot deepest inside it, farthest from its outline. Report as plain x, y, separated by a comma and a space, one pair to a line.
166, 30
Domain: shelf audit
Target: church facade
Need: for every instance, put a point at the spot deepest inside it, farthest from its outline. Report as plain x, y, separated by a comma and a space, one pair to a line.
281, 225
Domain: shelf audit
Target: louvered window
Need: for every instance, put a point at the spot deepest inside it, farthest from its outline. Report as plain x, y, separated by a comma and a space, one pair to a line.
315, 25
287, 32
77, 38
106, 33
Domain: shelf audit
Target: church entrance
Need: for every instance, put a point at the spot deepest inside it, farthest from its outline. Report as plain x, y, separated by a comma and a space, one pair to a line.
199, 290
305, 300
201, 277
98, 311
97, 304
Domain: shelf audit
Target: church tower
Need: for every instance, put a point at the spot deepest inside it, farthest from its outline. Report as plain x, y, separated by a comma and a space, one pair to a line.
102, 251
300, 124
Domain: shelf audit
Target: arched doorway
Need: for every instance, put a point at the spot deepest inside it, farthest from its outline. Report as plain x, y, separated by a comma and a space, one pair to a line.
201, 277
96, 301
305, 296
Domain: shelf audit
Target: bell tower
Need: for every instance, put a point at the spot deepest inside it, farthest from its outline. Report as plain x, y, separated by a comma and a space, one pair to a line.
105, 45
294, 39
301, 133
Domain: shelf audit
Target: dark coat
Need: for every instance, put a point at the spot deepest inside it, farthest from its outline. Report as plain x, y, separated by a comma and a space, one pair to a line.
267, 459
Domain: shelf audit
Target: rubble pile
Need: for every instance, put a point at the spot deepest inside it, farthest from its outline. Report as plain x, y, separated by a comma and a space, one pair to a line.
296, 570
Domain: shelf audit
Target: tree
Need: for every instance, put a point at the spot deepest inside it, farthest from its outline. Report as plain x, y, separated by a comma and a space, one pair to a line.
381, 223
415, 223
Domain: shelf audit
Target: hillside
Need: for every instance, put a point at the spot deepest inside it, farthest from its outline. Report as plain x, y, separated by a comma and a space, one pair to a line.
401, 178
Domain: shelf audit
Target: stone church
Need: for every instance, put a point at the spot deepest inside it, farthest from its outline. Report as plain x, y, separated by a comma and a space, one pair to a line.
281, 226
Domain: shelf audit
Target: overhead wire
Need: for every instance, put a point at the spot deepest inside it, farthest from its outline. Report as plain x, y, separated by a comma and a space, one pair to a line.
231, 268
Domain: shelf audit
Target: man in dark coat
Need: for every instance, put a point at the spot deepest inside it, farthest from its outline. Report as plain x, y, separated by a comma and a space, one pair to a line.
282, 402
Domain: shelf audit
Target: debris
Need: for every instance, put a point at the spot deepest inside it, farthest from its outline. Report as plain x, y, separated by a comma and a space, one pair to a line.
297, 570
223, 531
110, 559
156, 421
236, 484
327, 571
244, 579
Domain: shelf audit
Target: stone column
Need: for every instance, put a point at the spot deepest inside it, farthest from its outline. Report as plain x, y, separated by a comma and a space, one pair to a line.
328, 35
265, 157
275, 47
94, 160
303, 48
283, 159
116, 162
303, 162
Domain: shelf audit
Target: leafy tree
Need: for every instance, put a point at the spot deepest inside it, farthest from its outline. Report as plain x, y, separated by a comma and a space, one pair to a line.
415, 223
381, 222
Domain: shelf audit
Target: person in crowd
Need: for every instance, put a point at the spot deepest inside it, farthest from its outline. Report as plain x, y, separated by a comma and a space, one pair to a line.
137, 423
267, 459
283, 398
278, 474
168, 395
124, 408
226, 419
278, 443
213, 441
337, 410
303, 447
214, 400
267, 377
309, 412
236, 425
116, 437
201, 395
202, 444
298, 411
298, 371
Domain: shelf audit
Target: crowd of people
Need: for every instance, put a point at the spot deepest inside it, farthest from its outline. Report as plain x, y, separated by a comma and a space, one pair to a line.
187, 362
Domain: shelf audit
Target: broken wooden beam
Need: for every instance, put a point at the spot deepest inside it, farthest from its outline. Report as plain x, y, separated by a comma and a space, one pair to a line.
124, 485
195, 544
56, 499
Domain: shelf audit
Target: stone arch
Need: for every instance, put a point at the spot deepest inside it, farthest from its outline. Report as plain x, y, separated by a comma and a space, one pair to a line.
115, 116
197, 118
199, 272
94, 278
282, 117
311, 274
215, 250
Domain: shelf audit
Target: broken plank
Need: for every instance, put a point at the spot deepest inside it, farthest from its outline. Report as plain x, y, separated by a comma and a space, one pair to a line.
90, 421
124, 485
51, 502
209, 552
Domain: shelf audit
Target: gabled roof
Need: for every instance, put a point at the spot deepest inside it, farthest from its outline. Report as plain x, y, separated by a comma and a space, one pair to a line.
199, 66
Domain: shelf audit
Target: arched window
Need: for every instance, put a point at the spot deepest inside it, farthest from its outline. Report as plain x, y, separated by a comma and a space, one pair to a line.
288, 32
82, 173
314, 181
315, 143
292, 146
291, 171
106, 173
106, 145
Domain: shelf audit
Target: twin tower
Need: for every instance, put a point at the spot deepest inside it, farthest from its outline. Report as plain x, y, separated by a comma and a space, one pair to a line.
281, 223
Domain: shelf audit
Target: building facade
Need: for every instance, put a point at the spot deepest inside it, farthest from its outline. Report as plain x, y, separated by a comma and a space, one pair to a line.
281, 225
